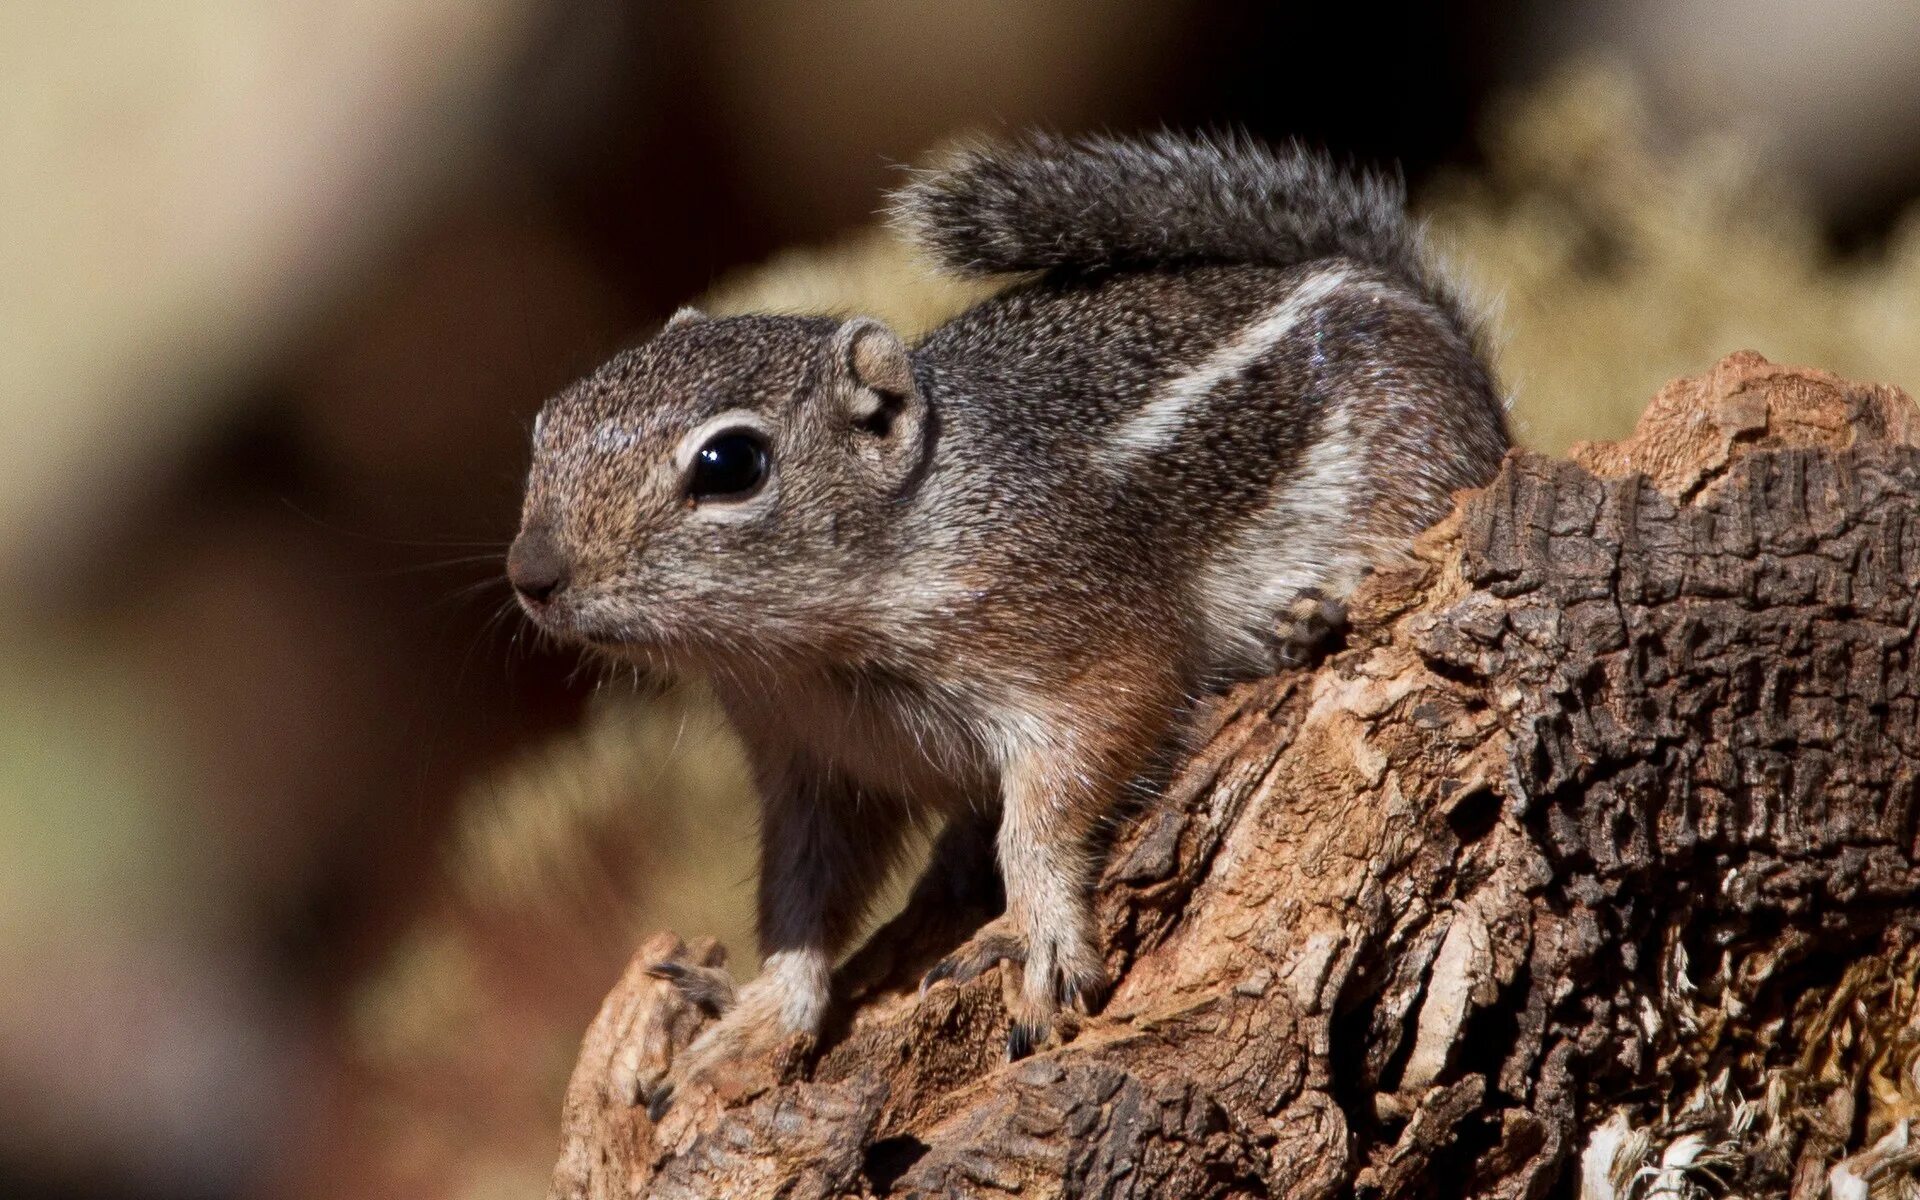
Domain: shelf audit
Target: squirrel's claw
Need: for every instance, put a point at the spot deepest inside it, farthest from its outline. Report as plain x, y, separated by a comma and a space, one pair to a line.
659, 1101
711, 989
940, 972
1022, 1038
1035, 1013
1086, 995
985, 949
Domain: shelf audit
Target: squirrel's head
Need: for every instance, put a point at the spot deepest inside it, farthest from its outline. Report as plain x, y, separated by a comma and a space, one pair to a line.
723, 490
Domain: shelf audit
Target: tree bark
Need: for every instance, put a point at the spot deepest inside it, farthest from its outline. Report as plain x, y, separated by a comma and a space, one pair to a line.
1586, 865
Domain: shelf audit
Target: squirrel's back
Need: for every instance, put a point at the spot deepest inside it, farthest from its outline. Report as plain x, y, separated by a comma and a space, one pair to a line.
1235, 362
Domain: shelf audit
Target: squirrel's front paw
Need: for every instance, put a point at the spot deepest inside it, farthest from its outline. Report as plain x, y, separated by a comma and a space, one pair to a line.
1058, 969
761, 1030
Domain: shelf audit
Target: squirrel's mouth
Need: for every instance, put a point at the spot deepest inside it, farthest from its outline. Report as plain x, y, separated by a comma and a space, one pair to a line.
565, 620
559, 618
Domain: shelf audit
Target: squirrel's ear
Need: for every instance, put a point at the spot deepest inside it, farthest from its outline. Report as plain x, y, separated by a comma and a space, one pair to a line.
872, 358
869, 362
877, 395
686, 314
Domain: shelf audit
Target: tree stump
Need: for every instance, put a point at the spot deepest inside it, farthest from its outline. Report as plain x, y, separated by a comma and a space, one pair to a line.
1587, 865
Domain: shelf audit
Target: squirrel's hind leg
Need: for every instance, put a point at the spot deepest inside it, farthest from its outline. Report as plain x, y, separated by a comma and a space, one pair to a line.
1303, 629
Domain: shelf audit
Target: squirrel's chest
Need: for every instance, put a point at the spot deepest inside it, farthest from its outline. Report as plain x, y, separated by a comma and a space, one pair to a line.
882, 733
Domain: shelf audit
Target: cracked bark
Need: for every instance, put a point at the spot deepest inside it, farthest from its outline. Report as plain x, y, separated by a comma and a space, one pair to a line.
1591, 852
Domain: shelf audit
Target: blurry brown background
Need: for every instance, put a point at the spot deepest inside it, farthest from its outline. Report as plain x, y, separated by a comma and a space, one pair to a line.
311, 867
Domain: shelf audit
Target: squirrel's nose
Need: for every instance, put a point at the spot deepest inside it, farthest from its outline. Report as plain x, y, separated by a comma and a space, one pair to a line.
535, 566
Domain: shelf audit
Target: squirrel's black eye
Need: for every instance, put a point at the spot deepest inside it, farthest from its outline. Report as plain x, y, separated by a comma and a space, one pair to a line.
731, 466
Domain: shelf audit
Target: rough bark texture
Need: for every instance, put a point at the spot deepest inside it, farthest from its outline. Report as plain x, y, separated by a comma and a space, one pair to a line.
1586, 866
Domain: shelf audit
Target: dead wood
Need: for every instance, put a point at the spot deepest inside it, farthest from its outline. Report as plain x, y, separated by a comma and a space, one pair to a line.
1587, 864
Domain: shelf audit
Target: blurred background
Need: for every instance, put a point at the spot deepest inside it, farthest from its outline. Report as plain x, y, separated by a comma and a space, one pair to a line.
312, 868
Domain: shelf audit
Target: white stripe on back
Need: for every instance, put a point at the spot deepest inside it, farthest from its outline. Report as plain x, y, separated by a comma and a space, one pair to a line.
1160, 419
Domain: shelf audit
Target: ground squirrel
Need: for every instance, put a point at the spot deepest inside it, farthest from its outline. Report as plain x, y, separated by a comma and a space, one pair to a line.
990, 571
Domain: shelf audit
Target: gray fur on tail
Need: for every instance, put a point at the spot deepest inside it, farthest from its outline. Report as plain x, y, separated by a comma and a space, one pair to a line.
1048, 202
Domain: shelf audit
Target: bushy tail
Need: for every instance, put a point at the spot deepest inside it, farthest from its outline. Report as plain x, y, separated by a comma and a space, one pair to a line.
1086, 203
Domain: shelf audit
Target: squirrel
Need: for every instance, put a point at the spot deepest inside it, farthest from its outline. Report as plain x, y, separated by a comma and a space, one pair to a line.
992, 571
